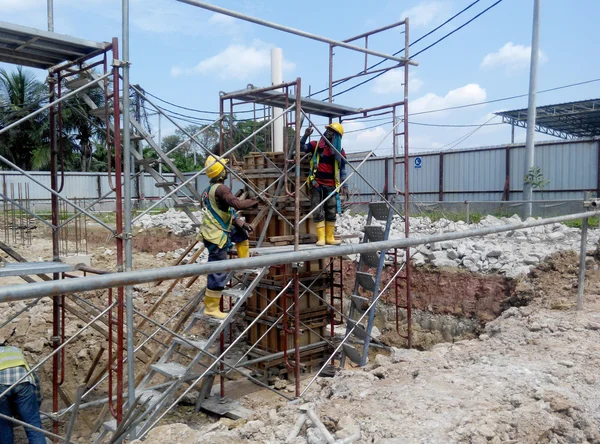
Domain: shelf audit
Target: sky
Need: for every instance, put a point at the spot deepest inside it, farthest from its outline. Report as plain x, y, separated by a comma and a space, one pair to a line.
187, 55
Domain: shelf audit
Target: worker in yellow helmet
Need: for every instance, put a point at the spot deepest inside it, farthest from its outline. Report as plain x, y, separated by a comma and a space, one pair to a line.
219, 228
327, 172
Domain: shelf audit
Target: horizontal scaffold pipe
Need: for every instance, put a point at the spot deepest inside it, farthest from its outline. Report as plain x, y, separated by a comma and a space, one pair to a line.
54, 288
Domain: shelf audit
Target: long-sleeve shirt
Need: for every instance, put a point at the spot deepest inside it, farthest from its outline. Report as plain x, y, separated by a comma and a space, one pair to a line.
226, 199
325, 174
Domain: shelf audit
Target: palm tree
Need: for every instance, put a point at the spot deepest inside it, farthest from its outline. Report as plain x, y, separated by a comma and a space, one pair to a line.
20, 94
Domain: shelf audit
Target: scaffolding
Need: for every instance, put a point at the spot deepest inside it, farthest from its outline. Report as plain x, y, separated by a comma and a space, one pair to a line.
80, 66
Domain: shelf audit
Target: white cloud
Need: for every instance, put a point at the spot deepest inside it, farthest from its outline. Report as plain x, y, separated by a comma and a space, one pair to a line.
427, 12
221, 20
467, 94
511, 57
392, 82
237, 61
20, 5
357, 138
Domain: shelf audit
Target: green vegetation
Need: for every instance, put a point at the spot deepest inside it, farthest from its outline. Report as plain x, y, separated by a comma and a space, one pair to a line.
592, 222
82, 139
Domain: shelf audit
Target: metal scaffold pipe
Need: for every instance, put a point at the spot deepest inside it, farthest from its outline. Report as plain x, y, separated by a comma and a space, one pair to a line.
32, 291
297, 32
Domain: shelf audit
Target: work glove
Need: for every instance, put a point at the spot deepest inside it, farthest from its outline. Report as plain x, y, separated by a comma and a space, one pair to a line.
308, 131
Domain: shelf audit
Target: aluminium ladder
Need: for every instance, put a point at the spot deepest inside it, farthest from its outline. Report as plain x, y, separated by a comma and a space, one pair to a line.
177, 374
366, 281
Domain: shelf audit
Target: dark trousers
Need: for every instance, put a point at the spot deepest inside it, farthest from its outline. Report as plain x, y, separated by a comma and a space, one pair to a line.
328, 210
216, 281
20, 400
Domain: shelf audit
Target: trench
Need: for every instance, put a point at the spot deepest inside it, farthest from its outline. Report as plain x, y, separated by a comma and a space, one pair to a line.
448, 304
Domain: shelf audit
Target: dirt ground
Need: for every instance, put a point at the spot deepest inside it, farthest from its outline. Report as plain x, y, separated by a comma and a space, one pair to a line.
529, 375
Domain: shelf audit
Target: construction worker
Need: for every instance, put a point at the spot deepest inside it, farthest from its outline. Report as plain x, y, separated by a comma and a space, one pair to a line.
220, 228
22, 399
327, 171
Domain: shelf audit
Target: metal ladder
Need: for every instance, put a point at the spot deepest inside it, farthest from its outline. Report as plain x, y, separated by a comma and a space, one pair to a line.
175, 373
360, 304
139, 133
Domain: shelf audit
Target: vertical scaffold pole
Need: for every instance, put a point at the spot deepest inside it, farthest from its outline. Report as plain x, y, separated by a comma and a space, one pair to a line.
406, 190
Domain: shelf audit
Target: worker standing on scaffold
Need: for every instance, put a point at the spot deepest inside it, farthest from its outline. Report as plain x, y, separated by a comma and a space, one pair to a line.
327, 171
220, 228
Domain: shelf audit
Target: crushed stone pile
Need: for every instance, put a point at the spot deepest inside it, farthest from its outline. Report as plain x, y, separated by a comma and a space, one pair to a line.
533, 376
177, 222
511, 254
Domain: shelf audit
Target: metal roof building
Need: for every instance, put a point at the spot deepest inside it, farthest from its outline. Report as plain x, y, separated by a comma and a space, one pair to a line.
572, 120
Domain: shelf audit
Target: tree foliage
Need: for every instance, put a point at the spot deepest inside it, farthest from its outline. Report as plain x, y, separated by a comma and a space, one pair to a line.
82, 138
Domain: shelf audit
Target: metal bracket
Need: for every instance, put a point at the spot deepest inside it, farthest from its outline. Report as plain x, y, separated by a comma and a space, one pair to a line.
55, 339
124, 236
120, 63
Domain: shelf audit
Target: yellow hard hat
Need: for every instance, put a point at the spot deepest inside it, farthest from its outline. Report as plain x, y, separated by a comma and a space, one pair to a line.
337, 127
214, 167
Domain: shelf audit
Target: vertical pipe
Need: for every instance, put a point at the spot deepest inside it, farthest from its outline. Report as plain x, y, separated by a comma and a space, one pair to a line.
531, 110
330, 73
512, 133
297, 152
597, 170
296, 328
119, 225
51, 15
441, 178
55, 251
276, 79
127, 209
582, 252
406, 191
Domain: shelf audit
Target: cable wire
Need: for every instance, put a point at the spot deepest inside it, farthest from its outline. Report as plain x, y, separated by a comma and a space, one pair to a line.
420, 52
339, 82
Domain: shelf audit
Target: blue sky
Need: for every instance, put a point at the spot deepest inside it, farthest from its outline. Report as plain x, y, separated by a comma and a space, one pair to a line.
187, 55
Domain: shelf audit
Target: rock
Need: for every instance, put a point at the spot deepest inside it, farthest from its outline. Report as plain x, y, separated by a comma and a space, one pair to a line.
567, 364
535, 327
452, 254
280, 384
446, 245
593, 325
530, 260
556, 236
403, 355
36, 346
444, 262
315, 436
417, 259
160, 255
461, 250
494, 253
375, 332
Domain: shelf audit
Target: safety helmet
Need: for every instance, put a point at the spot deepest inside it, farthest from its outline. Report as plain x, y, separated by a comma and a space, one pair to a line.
337, 127
214, 167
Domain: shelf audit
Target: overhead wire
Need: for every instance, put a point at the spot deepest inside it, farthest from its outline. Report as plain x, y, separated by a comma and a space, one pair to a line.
339, 82
419, 52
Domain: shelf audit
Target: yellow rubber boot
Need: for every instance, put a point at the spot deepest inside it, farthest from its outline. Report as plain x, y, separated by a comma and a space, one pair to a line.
329, 230
243, 248
212, 298
320, 227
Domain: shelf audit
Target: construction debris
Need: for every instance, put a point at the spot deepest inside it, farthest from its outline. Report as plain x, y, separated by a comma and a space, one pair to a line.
531, 376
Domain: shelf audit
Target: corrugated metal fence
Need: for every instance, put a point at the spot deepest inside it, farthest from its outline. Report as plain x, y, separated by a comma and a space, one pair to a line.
485, 174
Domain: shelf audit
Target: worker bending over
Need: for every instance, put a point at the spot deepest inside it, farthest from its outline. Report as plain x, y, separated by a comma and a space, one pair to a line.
327, 171
23, 399
220, 228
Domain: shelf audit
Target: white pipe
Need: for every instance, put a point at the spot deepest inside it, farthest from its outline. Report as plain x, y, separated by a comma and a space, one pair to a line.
276, 79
